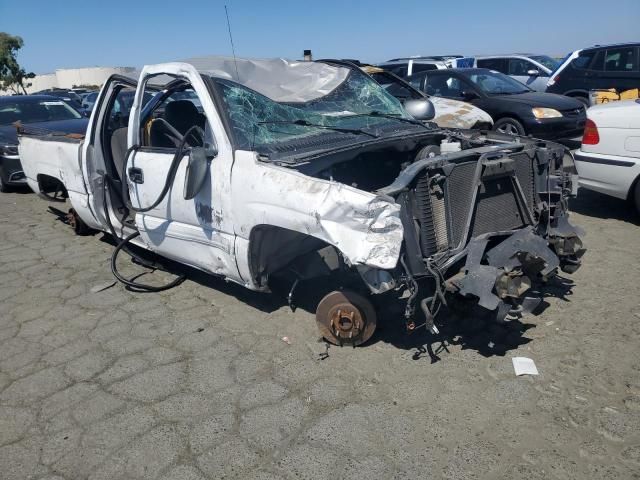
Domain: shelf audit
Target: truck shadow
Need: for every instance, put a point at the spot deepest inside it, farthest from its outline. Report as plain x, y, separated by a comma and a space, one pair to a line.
468, 328
594, 204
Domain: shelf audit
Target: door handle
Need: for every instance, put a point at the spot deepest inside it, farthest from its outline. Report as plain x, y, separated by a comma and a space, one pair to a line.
136, 175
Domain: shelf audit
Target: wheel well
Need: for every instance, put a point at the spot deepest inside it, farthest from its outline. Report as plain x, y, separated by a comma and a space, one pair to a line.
50, 187
632, 188
273, 249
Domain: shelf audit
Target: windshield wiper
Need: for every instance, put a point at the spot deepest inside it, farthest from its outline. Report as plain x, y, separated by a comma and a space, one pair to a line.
393, 116
304, 123
511, 93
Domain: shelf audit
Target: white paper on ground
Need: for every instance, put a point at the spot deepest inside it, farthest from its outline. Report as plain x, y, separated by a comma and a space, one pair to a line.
524, 366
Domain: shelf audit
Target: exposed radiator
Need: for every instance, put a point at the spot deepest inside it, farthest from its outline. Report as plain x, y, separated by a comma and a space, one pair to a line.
442, 206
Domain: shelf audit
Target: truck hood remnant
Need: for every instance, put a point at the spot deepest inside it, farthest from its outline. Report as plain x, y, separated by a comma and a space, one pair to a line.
279, 79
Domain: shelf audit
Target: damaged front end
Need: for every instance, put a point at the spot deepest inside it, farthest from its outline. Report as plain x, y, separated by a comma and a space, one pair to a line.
485, 224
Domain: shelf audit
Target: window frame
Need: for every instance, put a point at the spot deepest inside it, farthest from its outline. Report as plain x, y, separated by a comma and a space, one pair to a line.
145, 116
634, 56
531, 66
460, 78
503, 60
593, 55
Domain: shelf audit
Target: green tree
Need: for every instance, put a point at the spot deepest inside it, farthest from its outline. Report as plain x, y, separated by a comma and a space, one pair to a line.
12, 76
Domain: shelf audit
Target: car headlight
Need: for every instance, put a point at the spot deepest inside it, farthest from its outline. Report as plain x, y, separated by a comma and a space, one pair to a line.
9, 150
540, 112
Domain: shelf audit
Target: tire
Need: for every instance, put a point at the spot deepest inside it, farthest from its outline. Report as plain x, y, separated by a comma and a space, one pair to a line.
429, 151
4, 188
636, 196
77, 223
509, 126
583, 100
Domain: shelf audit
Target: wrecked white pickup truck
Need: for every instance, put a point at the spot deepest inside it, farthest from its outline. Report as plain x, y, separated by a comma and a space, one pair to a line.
251, 168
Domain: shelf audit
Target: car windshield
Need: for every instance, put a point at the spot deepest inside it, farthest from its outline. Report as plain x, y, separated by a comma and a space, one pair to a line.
257, 120
496, 83
395, 87
36, 111
546, 61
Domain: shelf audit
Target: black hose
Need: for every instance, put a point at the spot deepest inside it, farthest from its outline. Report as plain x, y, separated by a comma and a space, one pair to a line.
134, 285
177, 158
122, 245
107, 180
410, 306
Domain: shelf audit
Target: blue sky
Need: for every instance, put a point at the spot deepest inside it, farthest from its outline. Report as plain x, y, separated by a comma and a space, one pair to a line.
132, 33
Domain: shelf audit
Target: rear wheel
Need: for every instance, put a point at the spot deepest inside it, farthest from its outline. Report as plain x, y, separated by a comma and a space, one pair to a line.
77, 223
4, 188
636, 196
509, 126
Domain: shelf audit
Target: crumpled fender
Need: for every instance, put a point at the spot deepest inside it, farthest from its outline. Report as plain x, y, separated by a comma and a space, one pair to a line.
364, 226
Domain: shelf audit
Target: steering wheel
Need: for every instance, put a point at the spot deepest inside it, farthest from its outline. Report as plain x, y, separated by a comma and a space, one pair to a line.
173, 134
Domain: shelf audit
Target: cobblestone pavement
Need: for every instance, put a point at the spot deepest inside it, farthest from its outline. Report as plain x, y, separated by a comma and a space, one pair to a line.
196, 382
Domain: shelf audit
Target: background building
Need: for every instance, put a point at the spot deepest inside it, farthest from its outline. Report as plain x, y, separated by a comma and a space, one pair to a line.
72, 77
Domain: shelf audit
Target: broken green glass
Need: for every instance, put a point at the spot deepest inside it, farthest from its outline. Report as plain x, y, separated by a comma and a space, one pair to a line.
257, 120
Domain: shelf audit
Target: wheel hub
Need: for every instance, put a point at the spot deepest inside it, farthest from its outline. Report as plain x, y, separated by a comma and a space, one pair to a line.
71, 218
346, 317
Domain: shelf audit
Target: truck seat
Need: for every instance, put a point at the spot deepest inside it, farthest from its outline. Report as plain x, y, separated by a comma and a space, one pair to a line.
119, 149
181, 115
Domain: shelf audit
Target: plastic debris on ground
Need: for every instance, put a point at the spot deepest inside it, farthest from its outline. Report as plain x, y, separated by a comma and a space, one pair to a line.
102, 286
524, 366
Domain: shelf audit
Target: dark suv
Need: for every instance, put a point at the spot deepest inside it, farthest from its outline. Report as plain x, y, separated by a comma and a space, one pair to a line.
599, 67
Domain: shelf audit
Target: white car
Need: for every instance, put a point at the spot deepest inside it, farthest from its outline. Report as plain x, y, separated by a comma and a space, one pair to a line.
532, 70
609, 158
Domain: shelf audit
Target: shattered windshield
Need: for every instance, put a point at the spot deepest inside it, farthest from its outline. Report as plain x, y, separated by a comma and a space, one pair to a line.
257, 120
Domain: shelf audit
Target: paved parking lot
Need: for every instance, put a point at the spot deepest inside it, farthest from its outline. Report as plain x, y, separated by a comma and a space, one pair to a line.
196, 382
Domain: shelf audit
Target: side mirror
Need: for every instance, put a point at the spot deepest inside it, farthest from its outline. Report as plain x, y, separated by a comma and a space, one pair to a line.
420, 109
197, 168
470, 95
533, 72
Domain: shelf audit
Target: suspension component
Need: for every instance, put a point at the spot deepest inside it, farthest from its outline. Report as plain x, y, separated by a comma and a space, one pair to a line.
77, 223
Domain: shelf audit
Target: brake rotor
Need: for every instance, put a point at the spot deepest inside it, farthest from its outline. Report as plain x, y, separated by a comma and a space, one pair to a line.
346, 317
76, 222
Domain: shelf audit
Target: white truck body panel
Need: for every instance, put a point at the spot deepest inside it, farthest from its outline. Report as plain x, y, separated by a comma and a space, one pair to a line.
240, 194
366, 228
57, 159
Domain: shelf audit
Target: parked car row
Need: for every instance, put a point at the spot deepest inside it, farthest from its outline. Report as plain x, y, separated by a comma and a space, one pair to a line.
68, 96
614, 66
514, 107
39, 112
